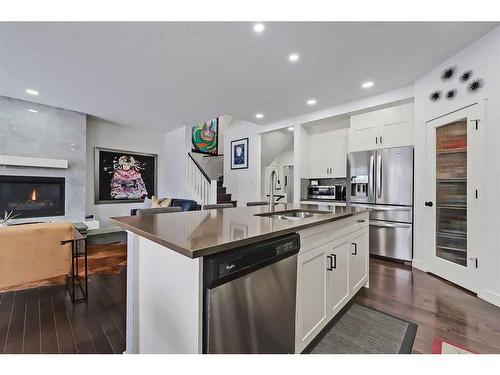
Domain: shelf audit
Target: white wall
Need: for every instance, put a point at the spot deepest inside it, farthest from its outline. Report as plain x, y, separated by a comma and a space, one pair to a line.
243, 184
177, 145
285, 157
101, 133
483, 57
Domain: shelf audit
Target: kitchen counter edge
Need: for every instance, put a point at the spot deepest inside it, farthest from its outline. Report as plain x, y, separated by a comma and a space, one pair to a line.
215, 249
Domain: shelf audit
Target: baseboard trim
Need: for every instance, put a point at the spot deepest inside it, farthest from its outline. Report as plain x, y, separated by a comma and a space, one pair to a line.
489, 296
419, 265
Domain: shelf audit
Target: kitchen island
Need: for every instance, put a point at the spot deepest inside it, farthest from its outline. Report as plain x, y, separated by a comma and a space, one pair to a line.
165, 279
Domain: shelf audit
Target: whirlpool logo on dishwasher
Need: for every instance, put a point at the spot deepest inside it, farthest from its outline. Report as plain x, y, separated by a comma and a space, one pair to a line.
230, 266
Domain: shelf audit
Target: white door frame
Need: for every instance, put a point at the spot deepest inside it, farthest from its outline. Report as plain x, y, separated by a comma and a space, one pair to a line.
467, 277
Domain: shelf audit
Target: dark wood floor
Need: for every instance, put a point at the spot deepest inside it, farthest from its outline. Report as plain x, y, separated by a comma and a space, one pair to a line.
439, 308
43, 319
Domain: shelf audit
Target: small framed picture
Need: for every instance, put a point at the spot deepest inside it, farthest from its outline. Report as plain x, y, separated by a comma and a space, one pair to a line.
239, 154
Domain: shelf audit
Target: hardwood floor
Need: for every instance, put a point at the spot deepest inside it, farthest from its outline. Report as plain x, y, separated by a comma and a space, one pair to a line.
438, 307
43, 319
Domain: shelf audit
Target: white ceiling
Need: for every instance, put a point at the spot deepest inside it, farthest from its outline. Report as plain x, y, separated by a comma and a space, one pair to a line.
164, 75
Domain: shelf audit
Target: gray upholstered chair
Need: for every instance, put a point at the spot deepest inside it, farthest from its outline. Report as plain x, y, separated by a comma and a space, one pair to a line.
218, 205
158, 210
258, 203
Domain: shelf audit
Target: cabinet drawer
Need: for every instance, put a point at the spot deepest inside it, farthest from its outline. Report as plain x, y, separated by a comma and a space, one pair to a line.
319, 235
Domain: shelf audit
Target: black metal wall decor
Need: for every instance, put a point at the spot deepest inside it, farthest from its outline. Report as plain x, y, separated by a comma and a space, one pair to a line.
475, 85
435, 96
451, 94
472, 86
465, 76
448, 73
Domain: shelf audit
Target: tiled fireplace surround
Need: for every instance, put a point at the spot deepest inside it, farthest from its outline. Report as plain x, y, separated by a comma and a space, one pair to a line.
49, 133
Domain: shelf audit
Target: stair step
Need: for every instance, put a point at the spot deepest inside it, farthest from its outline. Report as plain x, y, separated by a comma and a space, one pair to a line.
221, 190
223, 198
235, 203
219, 184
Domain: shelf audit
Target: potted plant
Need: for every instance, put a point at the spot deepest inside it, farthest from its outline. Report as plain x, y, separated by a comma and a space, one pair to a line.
7, 216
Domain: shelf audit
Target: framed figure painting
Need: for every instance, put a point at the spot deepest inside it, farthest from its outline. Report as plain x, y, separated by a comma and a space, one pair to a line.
124, 176
239, 154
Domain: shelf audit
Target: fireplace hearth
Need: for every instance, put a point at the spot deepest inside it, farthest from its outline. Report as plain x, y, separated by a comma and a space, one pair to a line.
30, 196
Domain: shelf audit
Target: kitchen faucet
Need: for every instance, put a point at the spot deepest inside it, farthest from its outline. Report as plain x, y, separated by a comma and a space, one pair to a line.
271, 190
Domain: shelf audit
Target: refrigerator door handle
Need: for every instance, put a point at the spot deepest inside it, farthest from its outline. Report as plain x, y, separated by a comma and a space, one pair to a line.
384, 208
379, 176
389, 225
371, 185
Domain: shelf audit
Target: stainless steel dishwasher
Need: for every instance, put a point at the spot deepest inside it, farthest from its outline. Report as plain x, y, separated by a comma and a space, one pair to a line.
249, 298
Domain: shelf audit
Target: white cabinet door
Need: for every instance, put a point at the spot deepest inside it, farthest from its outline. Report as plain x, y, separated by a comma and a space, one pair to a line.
363, 132
396, 134
338, 274
358, 262
388, 127
319, 158
363, 139
311, 295
338, 156
396, 126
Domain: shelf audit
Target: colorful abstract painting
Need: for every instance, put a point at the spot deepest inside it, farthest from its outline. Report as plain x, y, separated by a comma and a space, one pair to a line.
204, 137
123, 176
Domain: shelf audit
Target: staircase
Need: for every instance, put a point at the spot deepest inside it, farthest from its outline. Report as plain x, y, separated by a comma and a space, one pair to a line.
222, 195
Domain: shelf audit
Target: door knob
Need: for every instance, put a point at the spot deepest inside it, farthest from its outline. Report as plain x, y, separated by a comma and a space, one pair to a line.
429, 204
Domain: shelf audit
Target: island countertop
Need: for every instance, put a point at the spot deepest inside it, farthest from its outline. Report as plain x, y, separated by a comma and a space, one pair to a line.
200, 233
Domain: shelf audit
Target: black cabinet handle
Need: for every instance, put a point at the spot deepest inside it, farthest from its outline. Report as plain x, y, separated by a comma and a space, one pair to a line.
361, 221
429, 204
355, 248
334, 265
376, 140
330, 268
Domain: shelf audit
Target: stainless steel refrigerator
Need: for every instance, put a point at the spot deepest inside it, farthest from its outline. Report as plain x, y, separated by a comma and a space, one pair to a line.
383, 181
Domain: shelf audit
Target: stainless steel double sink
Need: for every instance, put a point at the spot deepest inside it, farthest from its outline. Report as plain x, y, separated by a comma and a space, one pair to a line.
296, 214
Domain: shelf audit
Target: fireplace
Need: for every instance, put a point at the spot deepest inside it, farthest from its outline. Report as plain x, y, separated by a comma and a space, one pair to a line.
32, 196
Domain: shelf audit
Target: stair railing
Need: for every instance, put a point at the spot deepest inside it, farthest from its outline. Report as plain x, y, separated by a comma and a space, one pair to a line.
199, 183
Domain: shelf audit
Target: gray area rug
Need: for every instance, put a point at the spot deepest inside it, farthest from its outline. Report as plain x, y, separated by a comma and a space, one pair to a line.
362, 330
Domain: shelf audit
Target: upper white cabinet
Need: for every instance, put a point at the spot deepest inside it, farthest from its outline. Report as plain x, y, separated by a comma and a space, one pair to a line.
363, 132
327, 155
388, 127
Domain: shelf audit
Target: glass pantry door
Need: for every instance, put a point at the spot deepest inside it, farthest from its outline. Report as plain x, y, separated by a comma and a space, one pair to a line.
454, 208
451, 192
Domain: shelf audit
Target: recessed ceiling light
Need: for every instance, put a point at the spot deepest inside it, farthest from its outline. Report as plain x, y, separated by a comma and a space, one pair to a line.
259, 27
290, 128
32, 110
259, 115
31, 92
312, 102
366, 85
293, 57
